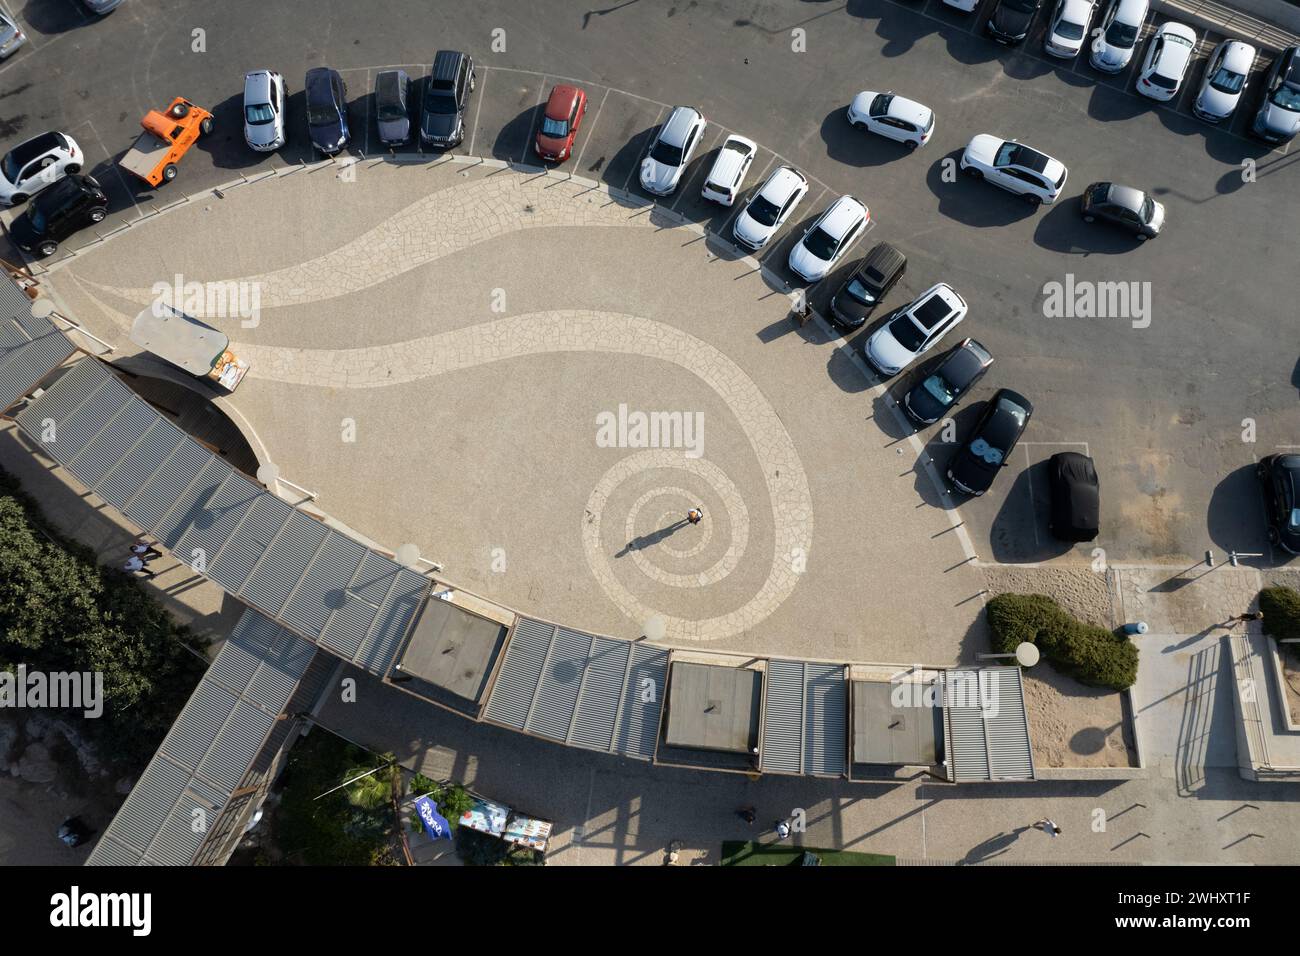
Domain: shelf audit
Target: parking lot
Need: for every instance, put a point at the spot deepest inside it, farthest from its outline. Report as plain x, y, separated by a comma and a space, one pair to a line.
1161, 408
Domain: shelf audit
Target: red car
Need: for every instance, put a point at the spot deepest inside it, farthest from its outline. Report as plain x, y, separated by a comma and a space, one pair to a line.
564, 111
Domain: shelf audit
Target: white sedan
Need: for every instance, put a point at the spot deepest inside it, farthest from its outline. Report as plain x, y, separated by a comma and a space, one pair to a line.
893, 117
913, 330
770, 208
1068, 28
1226, 75
1015, 167
827, 240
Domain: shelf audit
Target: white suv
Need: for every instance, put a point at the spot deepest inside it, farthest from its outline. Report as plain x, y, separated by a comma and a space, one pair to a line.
1015, 167
827, 240
894, 117
39, 162
771, 206
662, 168
913, 330
722, 185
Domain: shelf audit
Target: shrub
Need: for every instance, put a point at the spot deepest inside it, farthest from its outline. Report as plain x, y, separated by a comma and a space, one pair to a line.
1090, 654
1281, 608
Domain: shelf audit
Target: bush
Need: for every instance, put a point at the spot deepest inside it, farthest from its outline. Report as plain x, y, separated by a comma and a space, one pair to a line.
1090, 654
1281, 608
61, 611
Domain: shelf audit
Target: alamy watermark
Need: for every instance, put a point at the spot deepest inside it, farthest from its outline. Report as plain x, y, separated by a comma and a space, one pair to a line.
1083, 299
231, 299
966, 688
61, 690
635, 429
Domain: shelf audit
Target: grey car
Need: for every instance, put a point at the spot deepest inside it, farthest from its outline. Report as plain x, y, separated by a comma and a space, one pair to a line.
393, 106
1278, 119
11, 37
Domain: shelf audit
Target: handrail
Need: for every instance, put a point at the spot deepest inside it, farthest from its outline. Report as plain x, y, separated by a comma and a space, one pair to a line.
1234, 21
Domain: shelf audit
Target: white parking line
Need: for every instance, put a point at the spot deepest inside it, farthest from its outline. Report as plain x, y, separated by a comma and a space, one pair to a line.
646, 152
478, 109
541, 92
685, 187
366, 97
577, 163
130, 193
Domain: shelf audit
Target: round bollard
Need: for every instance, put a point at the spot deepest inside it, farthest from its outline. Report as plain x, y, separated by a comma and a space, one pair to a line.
1139, 628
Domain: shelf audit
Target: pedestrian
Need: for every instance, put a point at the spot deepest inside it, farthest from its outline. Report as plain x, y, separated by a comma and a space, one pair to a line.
136, 566
1047, 826
748, 814
695, 515
782, 828
1250, 616
144, 550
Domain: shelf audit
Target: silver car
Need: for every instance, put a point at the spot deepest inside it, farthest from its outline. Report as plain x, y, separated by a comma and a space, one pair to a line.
264, 107
11, 37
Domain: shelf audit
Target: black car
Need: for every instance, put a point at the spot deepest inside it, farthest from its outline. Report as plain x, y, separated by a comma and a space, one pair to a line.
327, 109
989, 446
392, 109
1280, 477
74, 202
446, 95
1124, 206
1010, 20
1076, 496
868, 284
954, 376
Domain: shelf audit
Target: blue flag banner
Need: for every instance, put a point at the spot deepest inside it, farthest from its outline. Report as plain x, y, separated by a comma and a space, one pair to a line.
434, 823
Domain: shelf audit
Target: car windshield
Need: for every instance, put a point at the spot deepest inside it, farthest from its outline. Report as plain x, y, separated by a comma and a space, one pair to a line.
821, 244
555, 127
1148, 209
321, 114
1122, 35
858, 290
390, 111
258, 114
938, 386
1294, 520
666, 154
905, 333
1069, 31
1010, 153
1226, 81
986, 453
763, 211
1287, 97
9, 166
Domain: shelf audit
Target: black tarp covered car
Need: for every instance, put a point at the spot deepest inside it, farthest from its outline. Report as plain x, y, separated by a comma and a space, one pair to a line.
1076, 496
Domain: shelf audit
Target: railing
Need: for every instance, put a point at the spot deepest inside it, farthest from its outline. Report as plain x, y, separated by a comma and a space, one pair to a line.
1235, 23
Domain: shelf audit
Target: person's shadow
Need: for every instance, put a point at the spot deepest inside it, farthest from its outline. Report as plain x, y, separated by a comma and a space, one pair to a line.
654, 537
993, 846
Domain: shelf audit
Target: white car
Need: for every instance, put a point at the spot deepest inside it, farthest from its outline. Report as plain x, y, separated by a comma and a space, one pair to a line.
264, 106
913, 330
662, 169
1226, 75
1117, 35
12, 37
770, 208
827, 240
1017, 168
893, 117
1168, 55
39, 162
723, 183
1068, 28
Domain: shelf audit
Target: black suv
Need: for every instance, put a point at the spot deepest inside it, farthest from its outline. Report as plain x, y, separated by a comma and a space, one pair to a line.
74, 202
1280, 477
446, 94
327, 109
870, 282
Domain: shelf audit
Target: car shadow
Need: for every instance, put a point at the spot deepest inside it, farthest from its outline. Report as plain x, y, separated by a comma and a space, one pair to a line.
1019, 533
1063, 230
857, 147
1109, 105
1236, 519
50, 19
972, 202
899, 28
225, 145
623, 165
513, 139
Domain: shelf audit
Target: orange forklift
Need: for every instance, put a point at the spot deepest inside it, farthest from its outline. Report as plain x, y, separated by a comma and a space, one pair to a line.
168, 135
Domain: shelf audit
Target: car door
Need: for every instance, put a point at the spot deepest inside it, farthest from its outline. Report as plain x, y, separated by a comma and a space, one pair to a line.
850, 238
39, 173
575, 117
689, 146
1153, 55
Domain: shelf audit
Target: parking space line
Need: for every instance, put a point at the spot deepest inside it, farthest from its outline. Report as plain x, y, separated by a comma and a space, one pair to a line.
478, 109
686, 186
646, 152
1033, 505
366, 146
577, 163
528, 140
130, 193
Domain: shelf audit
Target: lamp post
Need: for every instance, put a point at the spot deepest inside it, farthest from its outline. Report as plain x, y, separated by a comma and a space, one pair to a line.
1026, 654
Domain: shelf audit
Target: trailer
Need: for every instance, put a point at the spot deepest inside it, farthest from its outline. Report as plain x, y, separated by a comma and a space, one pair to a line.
189, 344
168, 135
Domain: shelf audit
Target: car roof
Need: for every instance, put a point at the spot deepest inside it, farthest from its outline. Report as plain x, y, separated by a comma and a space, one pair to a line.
1170, 28
783, 182
948, 293
257, 85
840, 215
388, 85
26, 151
318, 81
883, 259
1132, 12
560, 103
1029, 158
679, 121
965, 360
730, 158
1289, 64
445, 64
64, 191
1076, 8
1238, 56
900, 107
1125, 196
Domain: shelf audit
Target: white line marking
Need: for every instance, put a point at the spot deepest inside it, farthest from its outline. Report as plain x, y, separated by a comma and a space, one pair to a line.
528, 139
577, 163
478, 109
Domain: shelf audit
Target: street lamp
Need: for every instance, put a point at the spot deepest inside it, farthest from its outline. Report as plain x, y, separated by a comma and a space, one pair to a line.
1026, 654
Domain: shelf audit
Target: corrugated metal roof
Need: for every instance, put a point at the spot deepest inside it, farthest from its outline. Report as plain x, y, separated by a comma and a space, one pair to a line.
642, 702
805, 718
987, 727
511, 698
30, 348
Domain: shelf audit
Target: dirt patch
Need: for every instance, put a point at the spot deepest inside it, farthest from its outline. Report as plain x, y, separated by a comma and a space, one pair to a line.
1070, 724
1291, 675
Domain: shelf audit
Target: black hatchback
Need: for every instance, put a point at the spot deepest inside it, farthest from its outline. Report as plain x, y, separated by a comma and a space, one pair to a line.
866, 286
989, 446
954, 376
71, 204
1280, 477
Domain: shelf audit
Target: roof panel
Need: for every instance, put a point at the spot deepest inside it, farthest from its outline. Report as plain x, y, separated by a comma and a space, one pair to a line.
602, 692
516, 683
642, 706
557, 689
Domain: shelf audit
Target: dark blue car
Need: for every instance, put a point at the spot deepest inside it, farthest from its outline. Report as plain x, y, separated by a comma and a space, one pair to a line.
327, 109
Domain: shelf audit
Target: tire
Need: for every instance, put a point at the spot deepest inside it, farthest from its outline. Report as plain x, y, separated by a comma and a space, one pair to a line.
973, 173
1142, 237
97, 215
17, 198
72, 168
1089, 218
1273, 536
1033, 200
911, 145
169, 172
1261, 470
206, 126
180, 111
49, 247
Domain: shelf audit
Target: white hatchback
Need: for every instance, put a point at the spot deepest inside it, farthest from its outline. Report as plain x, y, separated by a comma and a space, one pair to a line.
1168, 55
910, 332
723, 183
1068, 28
770, 208
1015, 167
1117, 35
36, 163
827, 240
1226, 75
264, 106
893, 117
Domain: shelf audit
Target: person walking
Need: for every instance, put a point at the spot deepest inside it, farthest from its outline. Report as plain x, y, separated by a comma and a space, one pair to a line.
782, 828
134, 565
748, 814
695, 515
1047, 826
144, 550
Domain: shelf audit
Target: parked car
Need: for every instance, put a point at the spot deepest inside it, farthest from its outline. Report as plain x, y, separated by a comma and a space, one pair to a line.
327, 109
1009, 22
264, 108
1015, 167
1279, 477
988, 448
1068, 28
1278, 118
723, 183
671, 151
446, 96
565, 108
102, 7
393, 107
1076, 496
36, 163
770, 207
1120, 27
955, 375
71, 204
1226, 74
826, 241
867, 286
1168, 55
12, 37
1124, 206
893, 117
913, 330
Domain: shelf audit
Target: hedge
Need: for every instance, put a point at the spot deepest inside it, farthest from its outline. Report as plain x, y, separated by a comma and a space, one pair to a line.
1281, 609
1088, 653
61, 611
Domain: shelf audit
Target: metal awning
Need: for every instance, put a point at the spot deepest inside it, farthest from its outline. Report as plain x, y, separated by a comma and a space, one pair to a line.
986, 724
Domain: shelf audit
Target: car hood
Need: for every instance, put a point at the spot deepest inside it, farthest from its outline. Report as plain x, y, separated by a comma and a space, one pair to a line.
849, 309
1111, 55
924, 405
974, 473
885, 351
656, 176
984, 148
22, 232
1010, 21
1217, 103
1280, 121
263, 134
748, 229
1157, 217
551, 144
327, 134
439, 125
805, 263
395, 129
